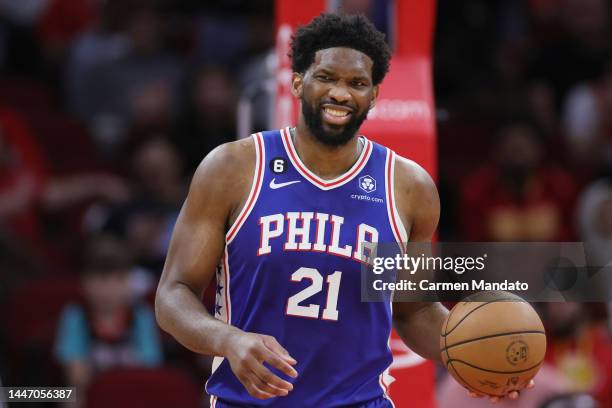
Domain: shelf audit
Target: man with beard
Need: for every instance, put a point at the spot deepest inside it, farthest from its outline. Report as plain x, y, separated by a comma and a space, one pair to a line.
289, 215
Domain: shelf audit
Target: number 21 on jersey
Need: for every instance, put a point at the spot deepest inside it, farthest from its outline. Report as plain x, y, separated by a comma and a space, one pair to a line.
312, 310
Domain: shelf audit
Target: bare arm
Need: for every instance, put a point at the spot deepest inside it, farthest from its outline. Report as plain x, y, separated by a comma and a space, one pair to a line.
418, 323
194, 253
219, 187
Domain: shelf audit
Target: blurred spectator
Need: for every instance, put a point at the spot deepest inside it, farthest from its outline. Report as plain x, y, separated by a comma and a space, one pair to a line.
106, 330
464, 54
579, 51
138, 87
377, 12
61, 22
209, 117
244, 26
21, 52
580, 349
147, 220
25, 12
594, 219
27, 188
103, 44
517, 197
587, 119
16, 266
594, 216
157, 172
23, 177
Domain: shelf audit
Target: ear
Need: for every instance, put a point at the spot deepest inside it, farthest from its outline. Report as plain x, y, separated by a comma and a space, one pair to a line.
374, 96
297, 84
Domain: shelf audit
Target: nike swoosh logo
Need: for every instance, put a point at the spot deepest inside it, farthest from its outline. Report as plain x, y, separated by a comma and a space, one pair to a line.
274, 185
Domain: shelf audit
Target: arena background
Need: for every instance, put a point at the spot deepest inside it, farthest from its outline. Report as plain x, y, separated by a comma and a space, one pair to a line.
107, 107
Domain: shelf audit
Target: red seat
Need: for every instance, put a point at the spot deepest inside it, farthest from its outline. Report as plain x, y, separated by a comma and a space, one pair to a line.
452, 137
151, 388
25, 94
31, 324
65, 141
34, 310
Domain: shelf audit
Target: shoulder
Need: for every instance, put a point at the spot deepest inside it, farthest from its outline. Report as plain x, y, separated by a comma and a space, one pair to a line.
413, 181
229, 160
225, 174
417, 199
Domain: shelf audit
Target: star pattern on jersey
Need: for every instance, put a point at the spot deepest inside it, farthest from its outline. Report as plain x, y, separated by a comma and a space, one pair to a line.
218, 308
219, 289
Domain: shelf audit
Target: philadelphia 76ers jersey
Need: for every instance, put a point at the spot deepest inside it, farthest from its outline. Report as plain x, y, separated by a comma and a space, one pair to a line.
291, 270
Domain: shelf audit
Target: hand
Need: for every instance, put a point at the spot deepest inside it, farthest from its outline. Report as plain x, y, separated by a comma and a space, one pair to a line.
246, 353
513, 395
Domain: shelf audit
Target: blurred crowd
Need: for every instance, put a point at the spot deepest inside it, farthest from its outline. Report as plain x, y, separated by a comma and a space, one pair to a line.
524, 101
108, 106
106, 109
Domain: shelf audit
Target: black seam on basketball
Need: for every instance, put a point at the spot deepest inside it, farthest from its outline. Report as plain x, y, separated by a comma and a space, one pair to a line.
463, 318
496, 372
478, 307
444, 335
446, 346
465, 383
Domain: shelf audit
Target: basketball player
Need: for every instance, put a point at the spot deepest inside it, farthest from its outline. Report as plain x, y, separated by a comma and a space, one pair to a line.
286, 213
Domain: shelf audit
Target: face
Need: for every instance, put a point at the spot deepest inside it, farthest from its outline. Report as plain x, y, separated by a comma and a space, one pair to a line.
336, 94
519, 150
107, 292
157, 167
214, 95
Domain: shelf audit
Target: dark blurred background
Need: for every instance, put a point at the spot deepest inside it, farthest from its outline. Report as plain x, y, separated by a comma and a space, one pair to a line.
108, 106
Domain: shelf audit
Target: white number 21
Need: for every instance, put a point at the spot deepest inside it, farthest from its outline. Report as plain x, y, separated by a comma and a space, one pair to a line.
312, 310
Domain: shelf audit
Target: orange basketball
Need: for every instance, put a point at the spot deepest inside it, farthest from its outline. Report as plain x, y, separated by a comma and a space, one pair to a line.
493, 343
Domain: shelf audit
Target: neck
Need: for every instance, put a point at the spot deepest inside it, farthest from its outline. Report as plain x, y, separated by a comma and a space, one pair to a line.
325, 161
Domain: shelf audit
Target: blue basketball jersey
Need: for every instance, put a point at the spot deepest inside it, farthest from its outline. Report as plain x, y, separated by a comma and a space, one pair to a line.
291, 270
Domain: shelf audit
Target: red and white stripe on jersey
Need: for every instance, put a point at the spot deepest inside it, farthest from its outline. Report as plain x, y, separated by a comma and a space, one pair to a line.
385, 380
397, 226
255, 188
318, 181
224, 300
225, 294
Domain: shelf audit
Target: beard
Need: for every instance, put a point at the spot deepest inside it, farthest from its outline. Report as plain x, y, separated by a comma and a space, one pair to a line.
339, 137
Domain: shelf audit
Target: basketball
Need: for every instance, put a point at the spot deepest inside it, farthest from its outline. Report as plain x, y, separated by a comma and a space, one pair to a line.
493, 343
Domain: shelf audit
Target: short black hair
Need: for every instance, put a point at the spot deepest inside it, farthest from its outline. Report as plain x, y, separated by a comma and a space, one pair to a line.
105, 254
334, 30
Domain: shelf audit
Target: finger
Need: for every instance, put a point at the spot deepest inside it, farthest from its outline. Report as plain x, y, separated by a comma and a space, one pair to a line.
269, 388
474, 394
277, 362
530, 385
494, 400
258, 393
513, 395
275, 346
252, 389
268, 377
